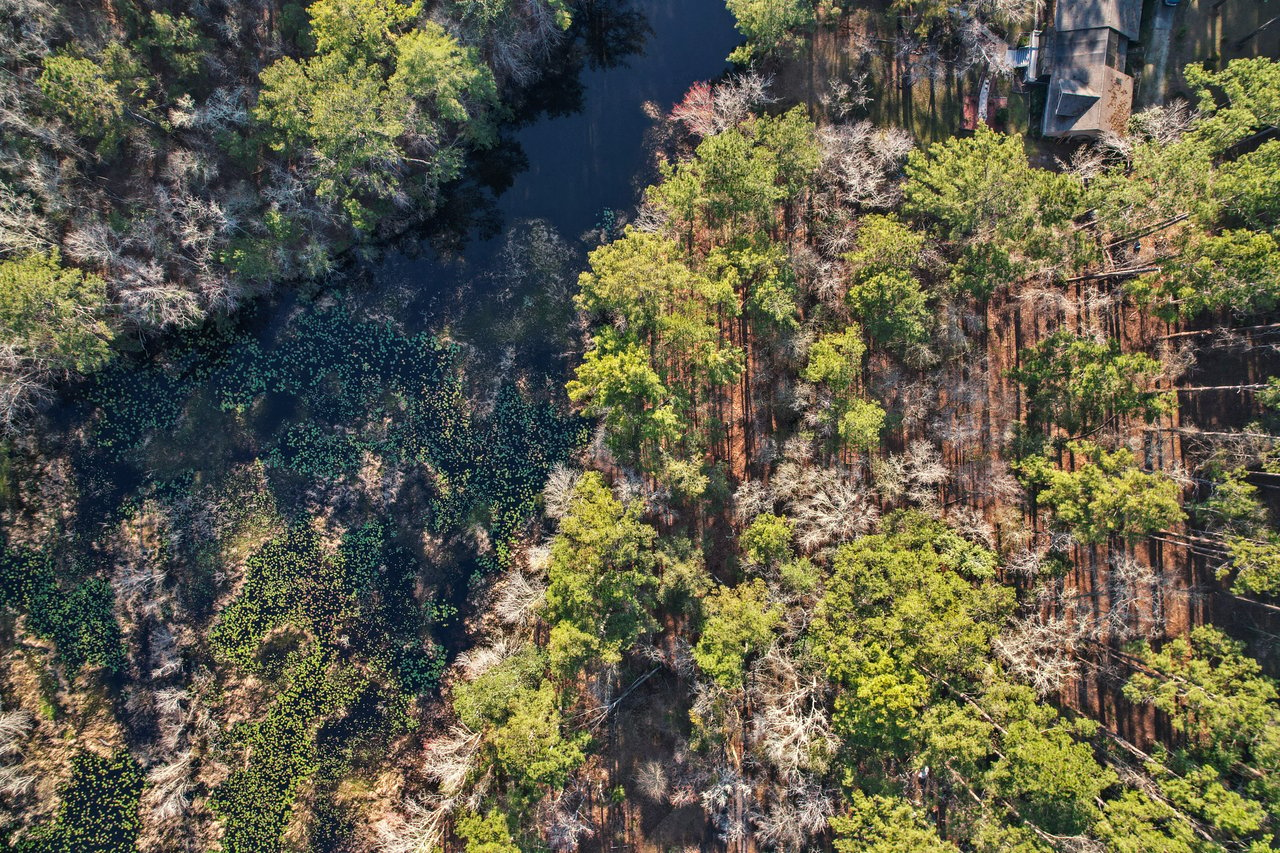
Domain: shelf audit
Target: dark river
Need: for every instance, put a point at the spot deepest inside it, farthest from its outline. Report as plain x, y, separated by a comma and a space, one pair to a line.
583, 163
586, 159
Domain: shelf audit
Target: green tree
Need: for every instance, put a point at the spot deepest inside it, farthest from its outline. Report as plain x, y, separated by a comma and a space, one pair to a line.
1044, 769
343, 114
982, 191
615, 381
835, 360
926, 15
174, 43
371, 95
1201, 792
491, 698
489, 15
359, 30
1256, 564
835, 364
55, 317
1246, 189
740, 624
1242, 98
519, 715
1052, 777
1079, 383
901, 609
791, 140
530, 746
1136, 823
884, 292
665, 356
759, 271
1236, 270
983, 187
860, 425
1160, 181
1107, 495
737, 178
1027, 768
88, 95
602, 578
433, 68
488, 834
768, 25
878, 824
1219, 700
635, 280
1233, 506
767, 540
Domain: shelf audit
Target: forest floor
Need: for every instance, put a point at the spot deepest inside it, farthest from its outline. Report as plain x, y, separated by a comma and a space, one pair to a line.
915, 89
1214, 31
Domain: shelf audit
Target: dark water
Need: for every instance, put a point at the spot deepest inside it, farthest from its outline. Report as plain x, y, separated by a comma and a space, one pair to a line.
585, 166
586, 162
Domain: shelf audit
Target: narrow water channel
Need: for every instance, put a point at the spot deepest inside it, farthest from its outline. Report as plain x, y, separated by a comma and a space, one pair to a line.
583, 173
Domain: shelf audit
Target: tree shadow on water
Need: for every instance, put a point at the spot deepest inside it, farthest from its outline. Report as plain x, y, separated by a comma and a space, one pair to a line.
611, 31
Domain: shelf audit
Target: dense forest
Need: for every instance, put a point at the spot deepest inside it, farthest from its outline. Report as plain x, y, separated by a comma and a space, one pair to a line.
883, 496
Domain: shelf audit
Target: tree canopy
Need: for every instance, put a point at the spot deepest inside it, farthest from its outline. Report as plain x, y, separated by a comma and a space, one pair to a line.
374, 99
1106, 495
1078, 383
601, 578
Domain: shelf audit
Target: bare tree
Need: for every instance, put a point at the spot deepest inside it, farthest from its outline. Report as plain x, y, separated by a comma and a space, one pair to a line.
16, 780
565, 816
168, 795
845, 96
155, 304
1163, 124
559, 491
452, 759
22, 230
517, 598
827, 505
1040, 651
419, 827
14, 728
727, 803
707, 110
971, 524
751, 498
791, 729
981, 46
652, 782
1133, 590
792, 821
24, 387
860, 164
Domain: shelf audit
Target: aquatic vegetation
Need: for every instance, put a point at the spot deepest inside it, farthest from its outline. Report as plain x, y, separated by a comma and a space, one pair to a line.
99, 811
254, 802
349, 388
76, 617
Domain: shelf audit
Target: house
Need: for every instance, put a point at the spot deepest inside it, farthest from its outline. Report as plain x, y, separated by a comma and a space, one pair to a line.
1089, 92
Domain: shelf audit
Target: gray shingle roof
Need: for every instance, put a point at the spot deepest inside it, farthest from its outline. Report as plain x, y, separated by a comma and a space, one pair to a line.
1124, 16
